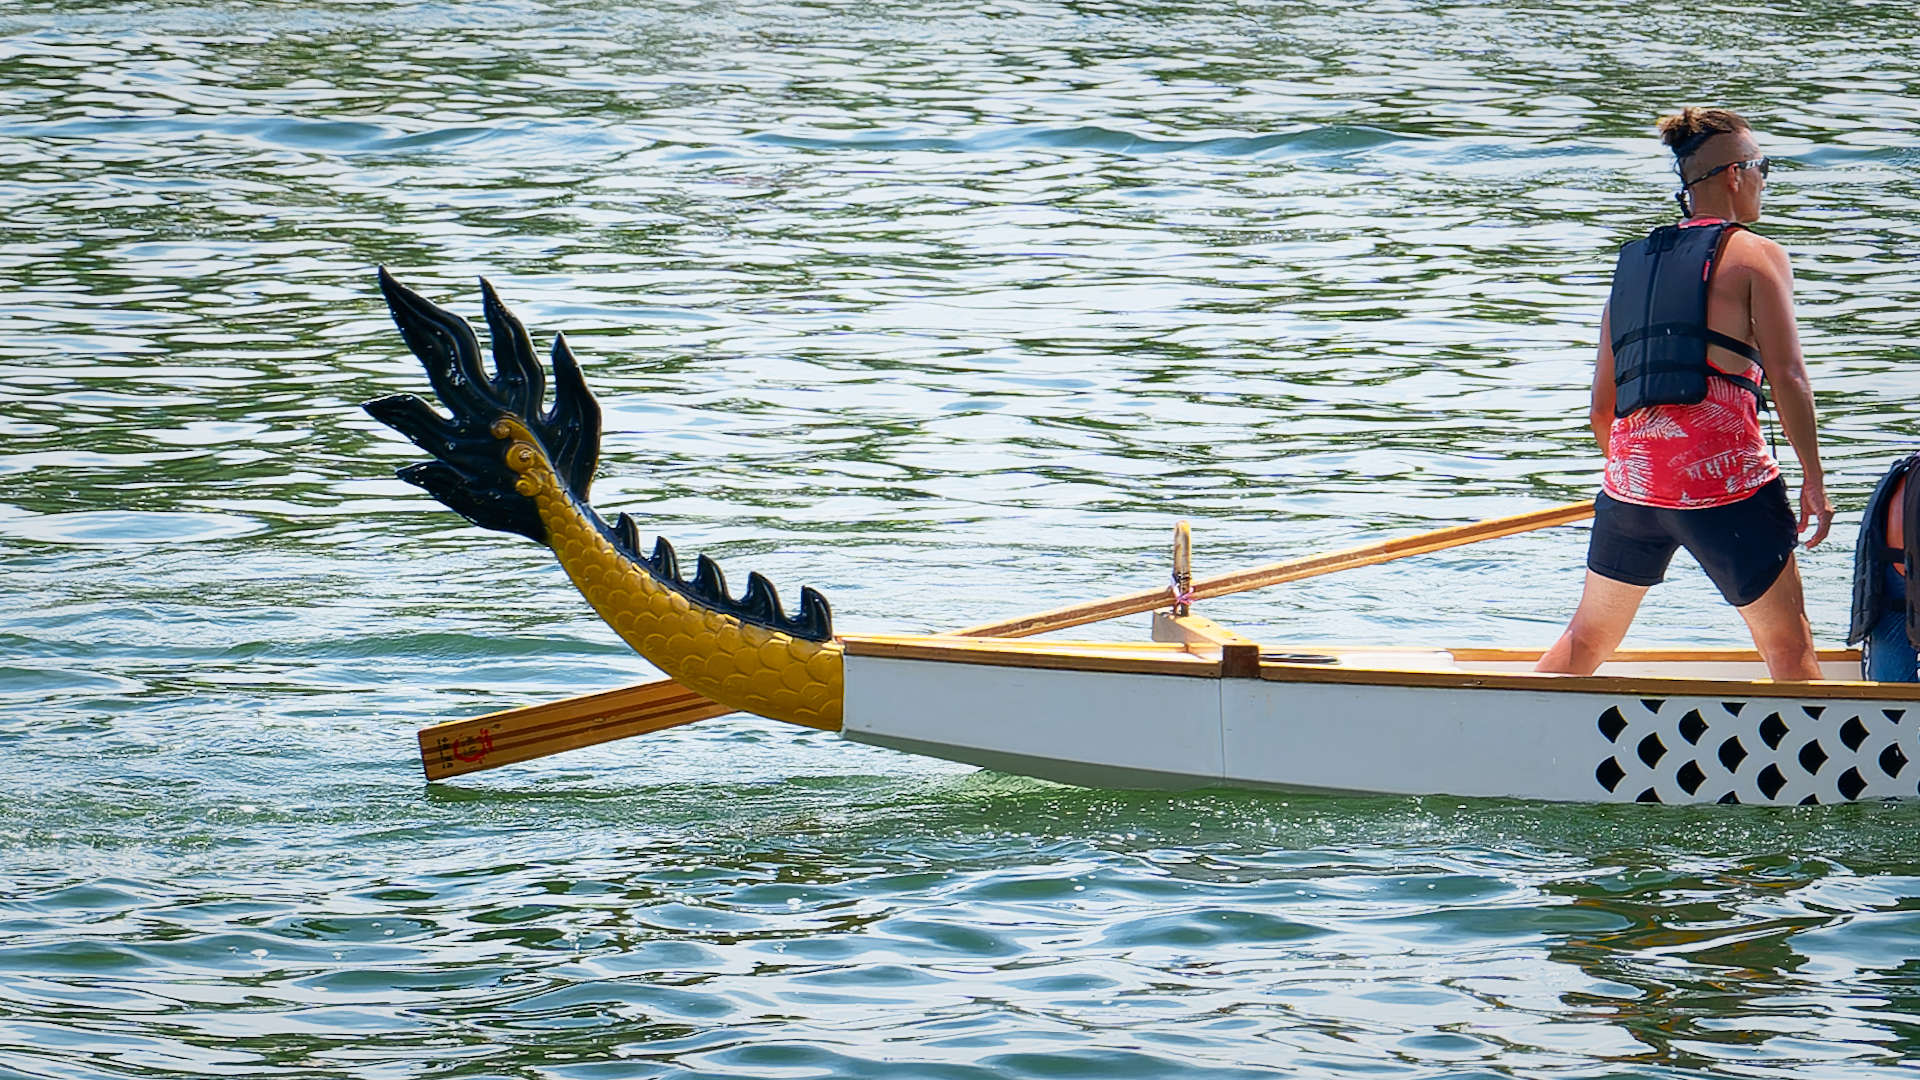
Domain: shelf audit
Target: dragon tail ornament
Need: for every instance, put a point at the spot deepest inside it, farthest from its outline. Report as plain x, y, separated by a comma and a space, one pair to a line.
502, 463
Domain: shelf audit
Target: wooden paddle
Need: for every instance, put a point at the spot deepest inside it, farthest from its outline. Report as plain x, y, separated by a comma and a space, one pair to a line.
1260, 577
503, 738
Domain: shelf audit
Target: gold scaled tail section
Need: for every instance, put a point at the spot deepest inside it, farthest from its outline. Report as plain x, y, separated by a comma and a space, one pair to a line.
761, 671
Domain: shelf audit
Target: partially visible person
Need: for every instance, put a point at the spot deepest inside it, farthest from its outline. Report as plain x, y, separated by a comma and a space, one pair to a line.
1700, 314
1884, 623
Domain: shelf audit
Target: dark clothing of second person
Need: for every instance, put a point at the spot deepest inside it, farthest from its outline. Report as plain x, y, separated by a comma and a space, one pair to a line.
1883, 621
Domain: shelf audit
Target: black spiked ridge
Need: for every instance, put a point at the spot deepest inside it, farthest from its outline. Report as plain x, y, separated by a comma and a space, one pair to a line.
469, 473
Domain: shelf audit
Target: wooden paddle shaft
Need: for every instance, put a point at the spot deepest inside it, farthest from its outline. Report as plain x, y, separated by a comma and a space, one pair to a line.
1277, 573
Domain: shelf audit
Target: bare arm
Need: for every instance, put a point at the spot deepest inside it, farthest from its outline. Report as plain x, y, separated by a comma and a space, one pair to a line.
1600, 411
1779, 339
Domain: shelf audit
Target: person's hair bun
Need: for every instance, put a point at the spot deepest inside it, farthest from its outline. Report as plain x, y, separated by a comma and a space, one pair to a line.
1686, 130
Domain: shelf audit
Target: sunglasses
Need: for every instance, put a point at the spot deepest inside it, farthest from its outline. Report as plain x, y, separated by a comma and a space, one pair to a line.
1765, 165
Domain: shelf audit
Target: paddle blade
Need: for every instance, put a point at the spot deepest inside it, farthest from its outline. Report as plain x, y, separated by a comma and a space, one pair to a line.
503, 738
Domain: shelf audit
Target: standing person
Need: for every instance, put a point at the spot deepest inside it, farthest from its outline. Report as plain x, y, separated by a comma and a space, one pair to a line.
1700, 313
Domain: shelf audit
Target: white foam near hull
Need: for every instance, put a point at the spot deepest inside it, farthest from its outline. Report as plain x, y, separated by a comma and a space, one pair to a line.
1672, 732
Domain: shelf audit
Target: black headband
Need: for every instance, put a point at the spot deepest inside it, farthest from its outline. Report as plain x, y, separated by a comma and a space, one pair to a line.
1685, 148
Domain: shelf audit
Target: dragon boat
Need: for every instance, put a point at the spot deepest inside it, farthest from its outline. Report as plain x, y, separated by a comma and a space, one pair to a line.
1198, 706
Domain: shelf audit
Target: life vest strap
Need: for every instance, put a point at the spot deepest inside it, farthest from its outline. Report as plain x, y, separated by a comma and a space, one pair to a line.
1656, 364
1681, 329
1751, 387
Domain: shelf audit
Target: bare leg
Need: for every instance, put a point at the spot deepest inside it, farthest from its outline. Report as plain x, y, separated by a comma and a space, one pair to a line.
1778, 621
1606, 610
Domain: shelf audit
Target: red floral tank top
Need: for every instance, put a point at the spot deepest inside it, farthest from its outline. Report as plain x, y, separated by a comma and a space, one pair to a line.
1689, 457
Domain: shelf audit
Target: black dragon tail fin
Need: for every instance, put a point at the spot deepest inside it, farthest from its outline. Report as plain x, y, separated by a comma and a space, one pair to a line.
485, 456
469, 472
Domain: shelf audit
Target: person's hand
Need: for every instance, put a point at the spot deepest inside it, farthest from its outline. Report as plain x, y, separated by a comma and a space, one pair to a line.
1815, 510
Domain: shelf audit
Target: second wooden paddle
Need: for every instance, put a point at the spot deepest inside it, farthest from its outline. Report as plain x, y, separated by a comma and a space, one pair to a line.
1260, 577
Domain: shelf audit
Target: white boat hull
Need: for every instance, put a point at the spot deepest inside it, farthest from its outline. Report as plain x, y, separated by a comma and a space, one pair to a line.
1077, 727
1676, 730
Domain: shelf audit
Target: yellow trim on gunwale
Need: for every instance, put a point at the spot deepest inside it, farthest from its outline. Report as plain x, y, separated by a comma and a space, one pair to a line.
1136, 658
1609, 685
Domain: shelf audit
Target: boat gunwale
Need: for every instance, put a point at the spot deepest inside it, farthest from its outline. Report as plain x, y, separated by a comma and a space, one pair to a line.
1131, 658
1159, 658
1605, 685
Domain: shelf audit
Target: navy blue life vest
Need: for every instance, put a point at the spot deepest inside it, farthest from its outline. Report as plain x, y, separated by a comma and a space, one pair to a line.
1658, 317
1871, 553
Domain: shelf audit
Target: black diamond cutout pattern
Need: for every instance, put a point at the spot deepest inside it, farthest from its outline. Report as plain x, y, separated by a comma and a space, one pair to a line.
1772, 730
1651, 750
1729, 799
1771, 781
1852, 783
1892, 760
1732, 753
1609, 774
1690, 773
1812, 756
1853, 733
1690, 777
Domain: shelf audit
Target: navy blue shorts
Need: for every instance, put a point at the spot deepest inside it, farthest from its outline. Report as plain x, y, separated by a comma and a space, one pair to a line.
1742, 546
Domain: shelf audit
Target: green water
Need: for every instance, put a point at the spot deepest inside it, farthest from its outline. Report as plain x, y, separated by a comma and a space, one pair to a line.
949, 310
